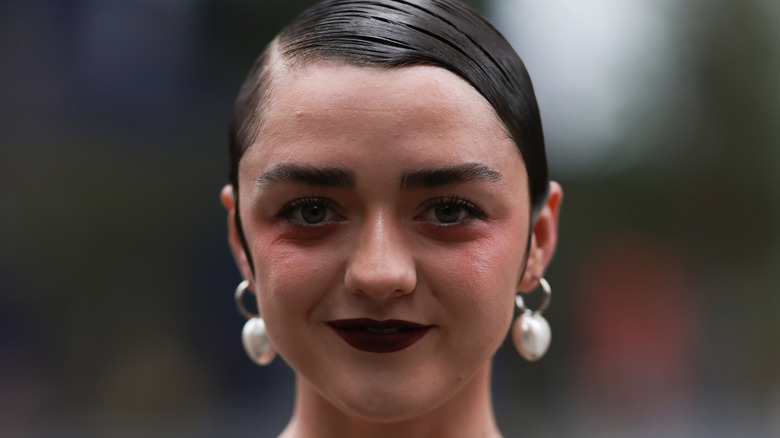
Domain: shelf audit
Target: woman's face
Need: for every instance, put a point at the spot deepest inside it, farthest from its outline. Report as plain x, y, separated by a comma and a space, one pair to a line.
387, 215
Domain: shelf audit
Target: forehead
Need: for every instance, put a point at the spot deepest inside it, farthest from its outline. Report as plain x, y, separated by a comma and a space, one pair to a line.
333, 108
334, 84
331, 85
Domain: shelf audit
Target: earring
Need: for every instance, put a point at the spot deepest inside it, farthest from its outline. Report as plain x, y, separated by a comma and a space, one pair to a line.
254, 336
530, 331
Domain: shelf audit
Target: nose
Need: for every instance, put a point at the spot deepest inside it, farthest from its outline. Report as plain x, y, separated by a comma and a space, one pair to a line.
381, 266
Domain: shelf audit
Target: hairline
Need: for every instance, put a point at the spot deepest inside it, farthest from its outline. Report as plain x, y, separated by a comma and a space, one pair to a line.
279, 62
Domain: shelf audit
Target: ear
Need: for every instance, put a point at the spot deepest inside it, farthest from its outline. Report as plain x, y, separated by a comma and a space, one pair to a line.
227, 196
544, 237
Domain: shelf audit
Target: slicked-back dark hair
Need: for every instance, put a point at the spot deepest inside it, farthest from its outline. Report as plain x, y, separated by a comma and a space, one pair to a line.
398, 33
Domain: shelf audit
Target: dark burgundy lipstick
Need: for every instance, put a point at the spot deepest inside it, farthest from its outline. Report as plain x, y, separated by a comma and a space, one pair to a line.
379, 336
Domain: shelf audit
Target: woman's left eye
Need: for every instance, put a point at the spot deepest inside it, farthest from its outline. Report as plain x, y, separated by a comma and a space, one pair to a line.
309, 211
450, 211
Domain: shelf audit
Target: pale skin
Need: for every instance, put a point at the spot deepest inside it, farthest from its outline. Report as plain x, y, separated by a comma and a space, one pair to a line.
376, 239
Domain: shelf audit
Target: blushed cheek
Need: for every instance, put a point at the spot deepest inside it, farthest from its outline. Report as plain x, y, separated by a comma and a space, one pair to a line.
481, 281
293, 278
499, 257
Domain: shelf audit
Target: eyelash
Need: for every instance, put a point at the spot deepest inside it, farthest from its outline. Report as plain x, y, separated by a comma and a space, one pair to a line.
287, 209
473, 211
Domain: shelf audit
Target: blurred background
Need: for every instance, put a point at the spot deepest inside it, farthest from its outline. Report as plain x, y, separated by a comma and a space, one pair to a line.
116, 308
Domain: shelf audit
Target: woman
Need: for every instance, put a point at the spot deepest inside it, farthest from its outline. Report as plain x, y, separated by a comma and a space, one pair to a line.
388, 199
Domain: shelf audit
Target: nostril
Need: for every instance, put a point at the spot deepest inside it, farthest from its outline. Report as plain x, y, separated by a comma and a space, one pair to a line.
381, 282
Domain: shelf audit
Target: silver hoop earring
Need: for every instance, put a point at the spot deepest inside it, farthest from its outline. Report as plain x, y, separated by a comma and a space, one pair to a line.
254, 336
531, 332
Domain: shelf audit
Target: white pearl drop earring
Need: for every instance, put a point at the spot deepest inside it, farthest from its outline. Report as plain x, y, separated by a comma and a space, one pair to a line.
531, 332
254, 336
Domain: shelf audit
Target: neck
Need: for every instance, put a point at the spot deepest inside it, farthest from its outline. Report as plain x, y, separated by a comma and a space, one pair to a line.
468, 413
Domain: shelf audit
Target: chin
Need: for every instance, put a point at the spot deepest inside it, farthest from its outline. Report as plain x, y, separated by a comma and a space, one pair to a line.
387, 413
393, 403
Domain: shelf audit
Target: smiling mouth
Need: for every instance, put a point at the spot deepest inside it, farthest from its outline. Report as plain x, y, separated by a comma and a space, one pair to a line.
379, 336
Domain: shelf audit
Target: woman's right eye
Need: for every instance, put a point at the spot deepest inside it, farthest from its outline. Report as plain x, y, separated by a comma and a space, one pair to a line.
310, 212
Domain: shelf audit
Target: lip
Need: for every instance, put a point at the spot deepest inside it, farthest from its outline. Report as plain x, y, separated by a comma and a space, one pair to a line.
374, 336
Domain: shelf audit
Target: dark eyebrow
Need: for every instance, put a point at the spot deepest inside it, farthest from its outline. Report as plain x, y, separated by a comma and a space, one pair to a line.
442, 176
327, 176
